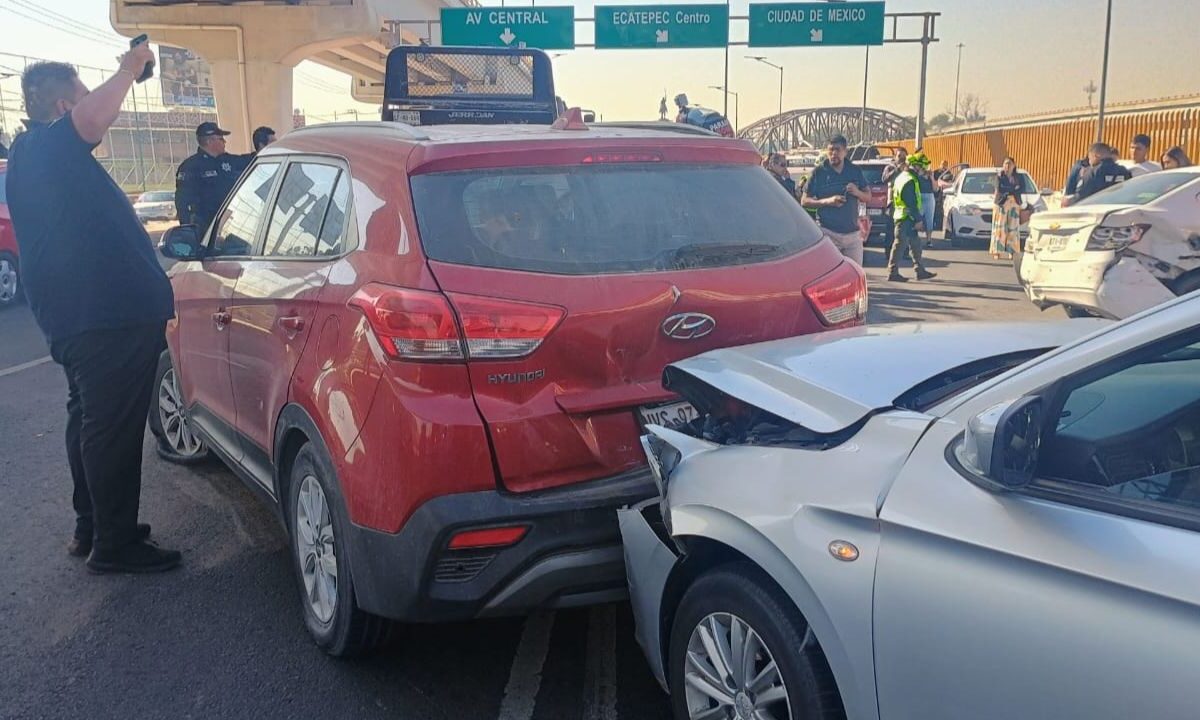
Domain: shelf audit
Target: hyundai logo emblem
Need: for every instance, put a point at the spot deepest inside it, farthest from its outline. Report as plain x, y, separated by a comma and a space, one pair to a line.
688, 326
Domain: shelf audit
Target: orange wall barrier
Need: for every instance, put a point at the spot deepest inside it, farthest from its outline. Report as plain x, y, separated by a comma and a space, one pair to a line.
1046, 151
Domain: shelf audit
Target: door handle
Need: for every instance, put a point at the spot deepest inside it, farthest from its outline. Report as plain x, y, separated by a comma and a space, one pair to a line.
222, 318
292, 323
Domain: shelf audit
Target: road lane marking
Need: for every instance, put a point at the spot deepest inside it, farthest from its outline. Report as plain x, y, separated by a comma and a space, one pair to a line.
600, 673
25, 366
525, 678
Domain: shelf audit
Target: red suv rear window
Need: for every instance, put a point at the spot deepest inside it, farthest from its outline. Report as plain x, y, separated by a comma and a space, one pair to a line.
609, 218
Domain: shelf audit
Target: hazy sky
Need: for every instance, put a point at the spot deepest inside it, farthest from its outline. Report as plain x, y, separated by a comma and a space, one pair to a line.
1020, 56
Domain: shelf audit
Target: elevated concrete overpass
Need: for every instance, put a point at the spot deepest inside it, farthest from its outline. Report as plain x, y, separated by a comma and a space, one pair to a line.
252, 46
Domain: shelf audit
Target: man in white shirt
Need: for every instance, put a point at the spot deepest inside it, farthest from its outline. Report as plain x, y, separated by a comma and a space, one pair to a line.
1140, 164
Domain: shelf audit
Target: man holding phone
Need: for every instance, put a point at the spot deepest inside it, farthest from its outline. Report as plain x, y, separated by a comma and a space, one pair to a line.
100, 297
834, 191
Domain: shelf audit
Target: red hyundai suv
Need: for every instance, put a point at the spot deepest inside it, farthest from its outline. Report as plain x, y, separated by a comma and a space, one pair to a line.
434, 348
10, 287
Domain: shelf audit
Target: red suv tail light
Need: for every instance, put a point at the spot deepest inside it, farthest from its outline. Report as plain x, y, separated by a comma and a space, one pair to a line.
410, 324
421, 325
503, 329
840, 297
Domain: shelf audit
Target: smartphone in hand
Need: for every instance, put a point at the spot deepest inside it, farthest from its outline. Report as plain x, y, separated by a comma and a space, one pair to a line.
148, 71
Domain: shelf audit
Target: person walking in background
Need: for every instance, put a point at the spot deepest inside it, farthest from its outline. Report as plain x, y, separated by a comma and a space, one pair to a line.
1175, 158
205, 179
928, 201
909, 221
1102, 172
99, 296
1006, 212
776, 164
1072, 185
1139, 151
834, 190
262, 137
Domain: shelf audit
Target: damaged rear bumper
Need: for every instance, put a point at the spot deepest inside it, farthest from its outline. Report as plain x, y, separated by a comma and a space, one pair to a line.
1112, 286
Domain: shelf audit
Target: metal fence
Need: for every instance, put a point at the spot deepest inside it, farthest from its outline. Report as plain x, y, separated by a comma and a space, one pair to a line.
144, 147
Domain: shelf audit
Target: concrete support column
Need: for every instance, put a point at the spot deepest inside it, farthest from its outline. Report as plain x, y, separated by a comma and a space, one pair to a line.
250, 94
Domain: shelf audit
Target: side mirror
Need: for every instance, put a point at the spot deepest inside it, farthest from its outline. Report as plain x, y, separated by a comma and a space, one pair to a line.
589, 117
1002, 443
182, 242
1047, 192
949, 192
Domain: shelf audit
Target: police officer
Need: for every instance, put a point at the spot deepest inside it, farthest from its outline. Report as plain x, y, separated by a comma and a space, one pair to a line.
262, 137
908, 214
205, 179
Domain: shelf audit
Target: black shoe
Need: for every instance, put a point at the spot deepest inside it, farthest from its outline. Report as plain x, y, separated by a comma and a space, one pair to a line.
83, 548
896, 277
138, 557
925, 275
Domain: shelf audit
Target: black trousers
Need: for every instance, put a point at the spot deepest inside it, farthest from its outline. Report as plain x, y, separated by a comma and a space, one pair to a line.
110, 381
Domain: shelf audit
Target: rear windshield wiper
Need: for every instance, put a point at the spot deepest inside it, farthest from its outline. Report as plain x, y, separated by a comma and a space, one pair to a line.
702, 255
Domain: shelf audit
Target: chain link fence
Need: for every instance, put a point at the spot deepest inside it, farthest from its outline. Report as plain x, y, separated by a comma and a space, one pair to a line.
149, 139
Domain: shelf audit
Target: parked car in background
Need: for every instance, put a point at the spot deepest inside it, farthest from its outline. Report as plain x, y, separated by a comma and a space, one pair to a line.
1011, 500
434, 347
1120, 251
969, 201
155, 205
877, 207
10, 275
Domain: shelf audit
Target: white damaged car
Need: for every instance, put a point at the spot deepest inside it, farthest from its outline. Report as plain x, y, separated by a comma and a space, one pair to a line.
935, 521
1120, 251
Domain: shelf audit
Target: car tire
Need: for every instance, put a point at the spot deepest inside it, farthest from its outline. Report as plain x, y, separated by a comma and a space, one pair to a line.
320, 551
952, 232
168, 419
11, 291
802, 688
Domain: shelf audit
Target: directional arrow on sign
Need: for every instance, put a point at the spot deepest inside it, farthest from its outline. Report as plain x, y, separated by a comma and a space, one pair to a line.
661, 36
507, 36
815, 35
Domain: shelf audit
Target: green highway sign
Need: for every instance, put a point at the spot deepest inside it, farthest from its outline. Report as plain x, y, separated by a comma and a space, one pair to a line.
546, 28
662, 26
816, 24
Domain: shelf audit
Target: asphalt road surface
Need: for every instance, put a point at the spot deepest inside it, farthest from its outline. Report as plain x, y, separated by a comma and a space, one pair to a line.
223, 637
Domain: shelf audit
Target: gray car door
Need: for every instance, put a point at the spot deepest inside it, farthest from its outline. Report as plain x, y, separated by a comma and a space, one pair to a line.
1077, 597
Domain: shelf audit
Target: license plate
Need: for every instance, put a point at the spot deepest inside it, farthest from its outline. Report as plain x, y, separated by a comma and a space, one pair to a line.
408, 117
670, 416
1057, 243
874, 211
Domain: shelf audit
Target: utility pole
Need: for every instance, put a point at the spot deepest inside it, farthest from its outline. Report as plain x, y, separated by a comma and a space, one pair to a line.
926, 38
1090, 89
735, 104
862, 119
1104, 75
957, 78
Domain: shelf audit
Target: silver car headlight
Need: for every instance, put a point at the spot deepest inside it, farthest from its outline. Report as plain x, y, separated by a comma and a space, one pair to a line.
973, 210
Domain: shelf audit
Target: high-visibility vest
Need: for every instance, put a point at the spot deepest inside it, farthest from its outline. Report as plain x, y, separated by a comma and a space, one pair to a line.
902, 211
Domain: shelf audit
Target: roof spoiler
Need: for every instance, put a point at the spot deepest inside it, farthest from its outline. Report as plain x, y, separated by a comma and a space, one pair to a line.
426, 85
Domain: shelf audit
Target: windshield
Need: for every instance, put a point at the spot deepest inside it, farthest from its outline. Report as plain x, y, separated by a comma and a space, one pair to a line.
159, 196
628, 217
1141, 190
984, 183
873, 173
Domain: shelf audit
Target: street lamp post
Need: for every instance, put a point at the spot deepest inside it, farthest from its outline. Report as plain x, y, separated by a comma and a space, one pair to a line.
957, 78
765, 61
1104, 74
735, 104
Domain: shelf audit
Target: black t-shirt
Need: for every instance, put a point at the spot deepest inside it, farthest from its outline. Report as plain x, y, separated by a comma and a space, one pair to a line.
86, 261
827, 182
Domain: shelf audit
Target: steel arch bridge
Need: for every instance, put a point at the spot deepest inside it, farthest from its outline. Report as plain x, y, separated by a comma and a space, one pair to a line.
813, 126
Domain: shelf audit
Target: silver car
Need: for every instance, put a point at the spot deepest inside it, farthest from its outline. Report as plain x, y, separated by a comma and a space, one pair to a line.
930, 521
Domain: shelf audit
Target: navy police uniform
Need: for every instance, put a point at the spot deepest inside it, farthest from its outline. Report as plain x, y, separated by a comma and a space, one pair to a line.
204, 181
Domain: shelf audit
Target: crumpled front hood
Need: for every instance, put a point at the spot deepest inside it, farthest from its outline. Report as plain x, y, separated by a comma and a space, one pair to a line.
829, 381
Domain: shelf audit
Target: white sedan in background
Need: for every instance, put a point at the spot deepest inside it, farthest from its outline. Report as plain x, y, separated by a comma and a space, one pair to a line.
1120, 251
969, 203
155, 205
1000, 526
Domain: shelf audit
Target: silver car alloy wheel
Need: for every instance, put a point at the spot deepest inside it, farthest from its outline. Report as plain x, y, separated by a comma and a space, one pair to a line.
8, 281
175, 425
730, 673
316, 549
